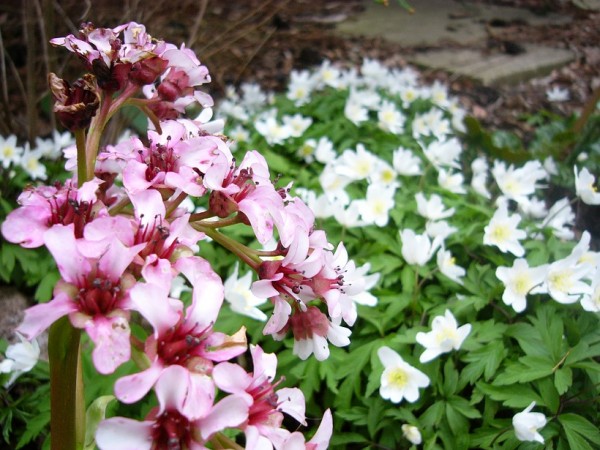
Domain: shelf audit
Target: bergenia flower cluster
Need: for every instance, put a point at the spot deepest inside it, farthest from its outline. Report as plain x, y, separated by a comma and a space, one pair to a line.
122, 238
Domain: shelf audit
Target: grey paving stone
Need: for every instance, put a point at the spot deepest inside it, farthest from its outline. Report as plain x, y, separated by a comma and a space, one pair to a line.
494, 69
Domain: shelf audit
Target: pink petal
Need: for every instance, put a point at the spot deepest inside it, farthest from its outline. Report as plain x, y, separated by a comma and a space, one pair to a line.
231, 378
61, 242
291, 402
26, 226
134, 177
153, 303
200, 396
119, 433
39, 317
111, 339
229, 412
116, 259
148, 205
323, 434
264, 364
131, 388
172, 388
281, 314
208, 290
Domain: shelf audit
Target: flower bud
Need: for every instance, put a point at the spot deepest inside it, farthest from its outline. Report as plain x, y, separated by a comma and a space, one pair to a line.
74, 105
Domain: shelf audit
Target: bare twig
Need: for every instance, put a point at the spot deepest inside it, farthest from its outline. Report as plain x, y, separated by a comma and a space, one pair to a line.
197, 22
6, 124
31, 76
44, 38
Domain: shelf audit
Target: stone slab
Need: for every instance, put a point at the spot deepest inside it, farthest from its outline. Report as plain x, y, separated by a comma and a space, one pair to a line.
435, 21
496, 68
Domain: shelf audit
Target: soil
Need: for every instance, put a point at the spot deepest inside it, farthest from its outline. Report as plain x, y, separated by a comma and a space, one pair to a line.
263, 40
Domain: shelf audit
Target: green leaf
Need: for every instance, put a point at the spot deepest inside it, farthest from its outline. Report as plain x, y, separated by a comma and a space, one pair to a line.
407, 276
432, 415
35, 426
484, 360
347, 438
518, 396
464, 407
574, 423
563, 379
43, 293
95, 413
458, 423
450, 379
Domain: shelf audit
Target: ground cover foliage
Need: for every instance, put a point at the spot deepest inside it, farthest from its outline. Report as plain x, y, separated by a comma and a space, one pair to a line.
466, 256
374, 148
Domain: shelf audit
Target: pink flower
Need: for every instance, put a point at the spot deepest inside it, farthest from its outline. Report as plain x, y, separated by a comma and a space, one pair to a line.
262, 428
165, 427
181, 340
248, 190
94, 292
45, 206
320, 441
172, 160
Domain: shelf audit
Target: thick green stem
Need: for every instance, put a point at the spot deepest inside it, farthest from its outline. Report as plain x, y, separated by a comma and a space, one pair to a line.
67, 404
81, 156
240, 250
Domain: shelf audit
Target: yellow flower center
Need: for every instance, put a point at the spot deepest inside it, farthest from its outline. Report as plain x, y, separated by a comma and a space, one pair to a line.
522, 283
397, 378
561, 281
500, 233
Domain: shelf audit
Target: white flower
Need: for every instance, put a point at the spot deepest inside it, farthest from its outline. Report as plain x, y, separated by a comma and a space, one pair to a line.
334, 185
241, 298
478, 183
533, 207
444, 153
518, 281
432, 209
527, 424
406, 163
447, 265
399, 379
324, 151
10, 153
557, 94
356, 165
297, 124
412, 434
452, 182
307, 150
390, 119
273, 131
20, 358
238, 134
440, 229
417, 249
30, 162
479, 166
591, 302
503, 233
560, 217
375, 209
354, 110
375, 72
300, 87
383, 174
408, 95
584, 187
516, 184
564, 277
444, 336
349, 216
327, 74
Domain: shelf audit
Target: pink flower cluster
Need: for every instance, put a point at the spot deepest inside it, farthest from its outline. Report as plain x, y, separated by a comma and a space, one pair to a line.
121, 237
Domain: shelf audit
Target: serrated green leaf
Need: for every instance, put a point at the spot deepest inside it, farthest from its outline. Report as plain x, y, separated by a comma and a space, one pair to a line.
464, 407
432, 415
563, 379
450, 379
35, 426
579, 424
518, 396
457, 422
